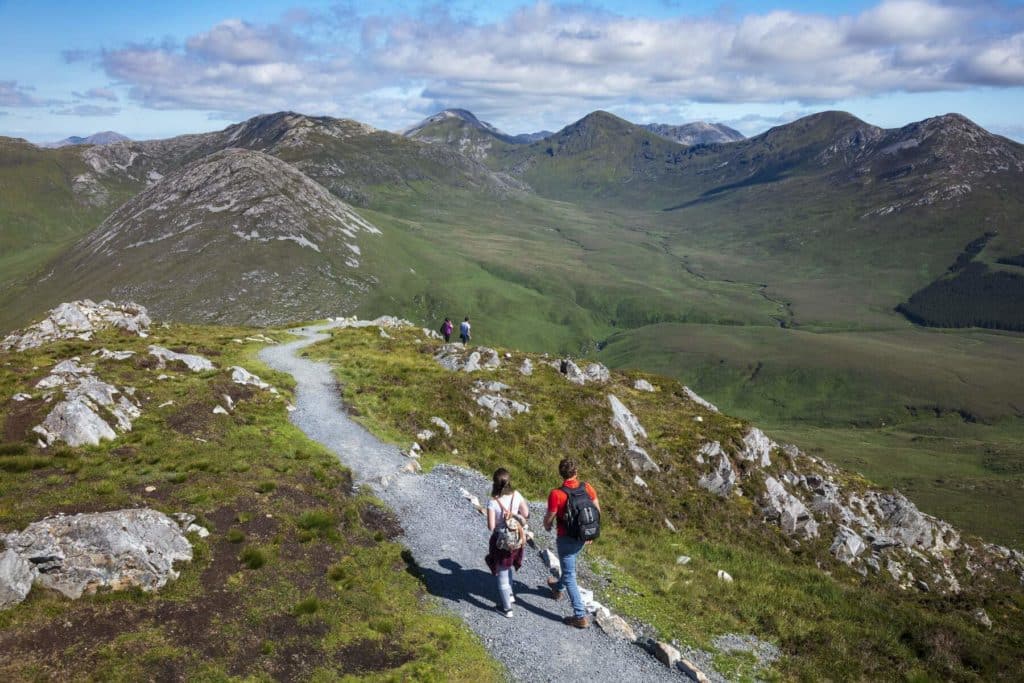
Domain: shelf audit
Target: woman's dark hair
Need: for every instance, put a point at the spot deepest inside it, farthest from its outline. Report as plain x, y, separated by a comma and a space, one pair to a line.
502, 482
567, 468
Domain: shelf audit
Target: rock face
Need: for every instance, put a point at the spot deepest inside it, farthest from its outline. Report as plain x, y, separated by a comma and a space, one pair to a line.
722, 478
628, 424
847, 545
89, 410
16, 577
79, 320
114, 550
757, 447
794, 518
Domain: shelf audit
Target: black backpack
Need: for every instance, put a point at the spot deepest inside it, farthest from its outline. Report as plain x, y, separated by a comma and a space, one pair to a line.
582, 518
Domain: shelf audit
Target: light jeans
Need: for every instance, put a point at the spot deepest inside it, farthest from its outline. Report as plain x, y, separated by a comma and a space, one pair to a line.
505, 587
568, 549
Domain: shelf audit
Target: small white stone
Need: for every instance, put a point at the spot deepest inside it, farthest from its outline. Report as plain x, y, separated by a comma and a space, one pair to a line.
149, 489
683, 559
219, 410
639, 482
724, 576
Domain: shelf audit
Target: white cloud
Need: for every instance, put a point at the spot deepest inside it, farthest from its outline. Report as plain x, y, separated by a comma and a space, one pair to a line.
14, 95
547, 60
97, 94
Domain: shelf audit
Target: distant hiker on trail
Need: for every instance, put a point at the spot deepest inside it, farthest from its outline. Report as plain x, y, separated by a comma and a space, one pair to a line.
578, 512
464, 331
507, 513
446, 329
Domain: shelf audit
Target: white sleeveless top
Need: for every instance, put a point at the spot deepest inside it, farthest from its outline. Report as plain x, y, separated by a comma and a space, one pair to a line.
510, 501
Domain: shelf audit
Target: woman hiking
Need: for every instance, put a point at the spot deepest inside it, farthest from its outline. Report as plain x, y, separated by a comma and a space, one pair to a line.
446, 329
507, 513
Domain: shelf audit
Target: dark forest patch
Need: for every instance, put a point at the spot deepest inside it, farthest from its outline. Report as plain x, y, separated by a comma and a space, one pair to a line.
972, 297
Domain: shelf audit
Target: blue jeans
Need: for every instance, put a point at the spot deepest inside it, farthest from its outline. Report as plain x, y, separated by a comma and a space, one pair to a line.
568, 549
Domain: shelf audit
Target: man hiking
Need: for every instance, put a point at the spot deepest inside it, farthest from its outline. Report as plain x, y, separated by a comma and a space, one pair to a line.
464, 331
576, 509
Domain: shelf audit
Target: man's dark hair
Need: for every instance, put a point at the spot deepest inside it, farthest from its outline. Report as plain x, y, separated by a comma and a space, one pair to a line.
567, 468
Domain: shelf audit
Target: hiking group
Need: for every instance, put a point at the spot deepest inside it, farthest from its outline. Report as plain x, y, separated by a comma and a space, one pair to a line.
448, 326
575, 513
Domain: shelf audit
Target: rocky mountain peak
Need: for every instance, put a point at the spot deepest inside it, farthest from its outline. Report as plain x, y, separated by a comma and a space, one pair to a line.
696, 132
106, 137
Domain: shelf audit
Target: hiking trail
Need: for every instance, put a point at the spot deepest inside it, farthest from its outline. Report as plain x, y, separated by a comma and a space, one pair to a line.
448, 540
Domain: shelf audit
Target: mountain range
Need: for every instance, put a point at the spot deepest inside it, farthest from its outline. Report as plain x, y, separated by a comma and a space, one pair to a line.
766, 271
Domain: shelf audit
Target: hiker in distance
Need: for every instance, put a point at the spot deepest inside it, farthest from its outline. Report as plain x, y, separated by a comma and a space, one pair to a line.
578, 513
507, 513
446, 329
464, 331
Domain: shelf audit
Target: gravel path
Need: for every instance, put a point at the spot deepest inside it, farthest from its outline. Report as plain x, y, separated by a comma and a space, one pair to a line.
448, 540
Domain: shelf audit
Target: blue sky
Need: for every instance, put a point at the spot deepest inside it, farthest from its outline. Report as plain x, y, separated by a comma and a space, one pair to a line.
157, 69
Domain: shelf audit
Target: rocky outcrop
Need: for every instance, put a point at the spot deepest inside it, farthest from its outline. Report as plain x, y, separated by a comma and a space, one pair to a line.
757, 447
80, 320
847, 545
643, 385
793, 517
500, 407
240, 375
191, 361
722, 479
629, 426
115, 550
88, 410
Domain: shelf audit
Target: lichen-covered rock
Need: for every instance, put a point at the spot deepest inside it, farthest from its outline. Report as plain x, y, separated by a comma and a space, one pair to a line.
722, 479
87, 408
116, 550
491, 360
192, 362
442, 424
847, 545
794, 518
628, 424
16, 577
501, 407
595, 372
643, 385
690, 394
572, 371
526, 368
240, 375
80, 319
757, 447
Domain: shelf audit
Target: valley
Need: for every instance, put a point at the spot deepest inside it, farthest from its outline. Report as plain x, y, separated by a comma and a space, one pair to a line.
764, 272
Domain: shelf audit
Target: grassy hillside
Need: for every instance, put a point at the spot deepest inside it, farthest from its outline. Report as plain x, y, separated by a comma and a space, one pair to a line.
829, 624
41, 213
299, 578
935, 413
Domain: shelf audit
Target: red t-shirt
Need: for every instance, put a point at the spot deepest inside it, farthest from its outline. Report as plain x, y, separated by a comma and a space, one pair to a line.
558, 500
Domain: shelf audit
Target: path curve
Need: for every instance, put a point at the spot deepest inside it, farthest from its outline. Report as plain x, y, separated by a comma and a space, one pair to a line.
448, 540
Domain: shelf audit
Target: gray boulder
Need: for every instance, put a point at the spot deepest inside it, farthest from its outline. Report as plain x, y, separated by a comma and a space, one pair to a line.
847, 545
472, 363
573, 372
88, 406
628, 424
115, 550
595, 372
501, 407
16, 577
442, 424
757, 447
491, 359
690, 394
722, 479
643, 385
240, 375
526, 368
192, 362
793, 516
614, 625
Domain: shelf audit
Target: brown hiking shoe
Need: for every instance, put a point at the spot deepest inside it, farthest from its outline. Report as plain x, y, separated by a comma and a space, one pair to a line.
578, 622
555, 593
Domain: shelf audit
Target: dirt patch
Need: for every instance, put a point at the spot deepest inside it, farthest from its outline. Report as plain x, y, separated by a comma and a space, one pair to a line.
365, 656
379, 519
22, 416
237, 392
192, 419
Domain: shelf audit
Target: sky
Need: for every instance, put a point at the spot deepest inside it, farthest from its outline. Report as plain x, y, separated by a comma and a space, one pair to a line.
156, 69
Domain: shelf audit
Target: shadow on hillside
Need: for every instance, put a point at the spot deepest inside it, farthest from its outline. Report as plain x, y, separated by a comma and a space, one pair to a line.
474, 586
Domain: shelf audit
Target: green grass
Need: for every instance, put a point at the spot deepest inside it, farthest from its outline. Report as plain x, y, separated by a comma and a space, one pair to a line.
253, 581
828, 623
